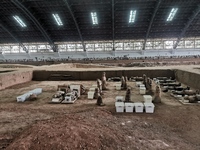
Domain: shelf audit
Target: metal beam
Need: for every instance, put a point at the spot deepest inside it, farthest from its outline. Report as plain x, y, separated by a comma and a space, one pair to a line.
151, 22
37, 23
76, 24
113, 23
14, 37
191, 18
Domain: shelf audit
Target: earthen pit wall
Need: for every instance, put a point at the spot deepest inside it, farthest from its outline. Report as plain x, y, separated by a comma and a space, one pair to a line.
188, 78
43, 75
18, 77
14, 78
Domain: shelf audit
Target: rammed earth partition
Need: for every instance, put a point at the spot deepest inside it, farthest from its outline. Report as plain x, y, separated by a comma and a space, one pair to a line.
8, 79
189, 78
41, 75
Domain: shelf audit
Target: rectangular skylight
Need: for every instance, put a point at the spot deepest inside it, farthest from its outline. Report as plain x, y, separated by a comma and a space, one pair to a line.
132, 16
172, 14
94, 18
57, 19
22, 24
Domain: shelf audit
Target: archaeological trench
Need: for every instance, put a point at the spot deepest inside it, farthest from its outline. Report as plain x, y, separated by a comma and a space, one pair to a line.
144, 131
12, 77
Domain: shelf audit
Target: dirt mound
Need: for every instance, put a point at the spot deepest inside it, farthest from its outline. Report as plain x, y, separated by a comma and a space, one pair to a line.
98, 129
78, 65
70, 132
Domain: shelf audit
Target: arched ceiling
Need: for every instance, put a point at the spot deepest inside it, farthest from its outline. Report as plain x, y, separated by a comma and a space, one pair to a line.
113, 20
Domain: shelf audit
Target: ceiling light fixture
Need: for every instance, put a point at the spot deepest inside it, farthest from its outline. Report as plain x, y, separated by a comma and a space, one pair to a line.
57, 19
172, 14
132, 16
94, 18
19, 21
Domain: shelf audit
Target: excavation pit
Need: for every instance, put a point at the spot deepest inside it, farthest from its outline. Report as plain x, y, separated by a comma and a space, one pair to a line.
21, 123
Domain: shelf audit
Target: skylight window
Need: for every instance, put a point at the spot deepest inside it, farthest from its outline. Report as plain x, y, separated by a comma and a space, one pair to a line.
57, 19
94, 18
172, 14
132, 16
19, 21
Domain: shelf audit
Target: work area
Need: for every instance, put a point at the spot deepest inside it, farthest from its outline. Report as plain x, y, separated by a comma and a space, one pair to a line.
161, 125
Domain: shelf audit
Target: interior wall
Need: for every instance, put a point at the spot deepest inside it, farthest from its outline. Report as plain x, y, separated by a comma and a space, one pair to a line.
14, 56
99, 54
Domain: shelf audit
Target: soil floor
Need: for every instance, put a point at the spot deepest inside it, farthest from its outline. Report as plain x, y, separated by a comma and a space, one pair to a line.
38, 125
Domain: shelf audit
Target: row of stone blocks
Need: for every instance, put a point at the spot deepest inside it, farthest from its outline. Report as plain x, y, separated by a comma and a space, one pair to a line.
138, 106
